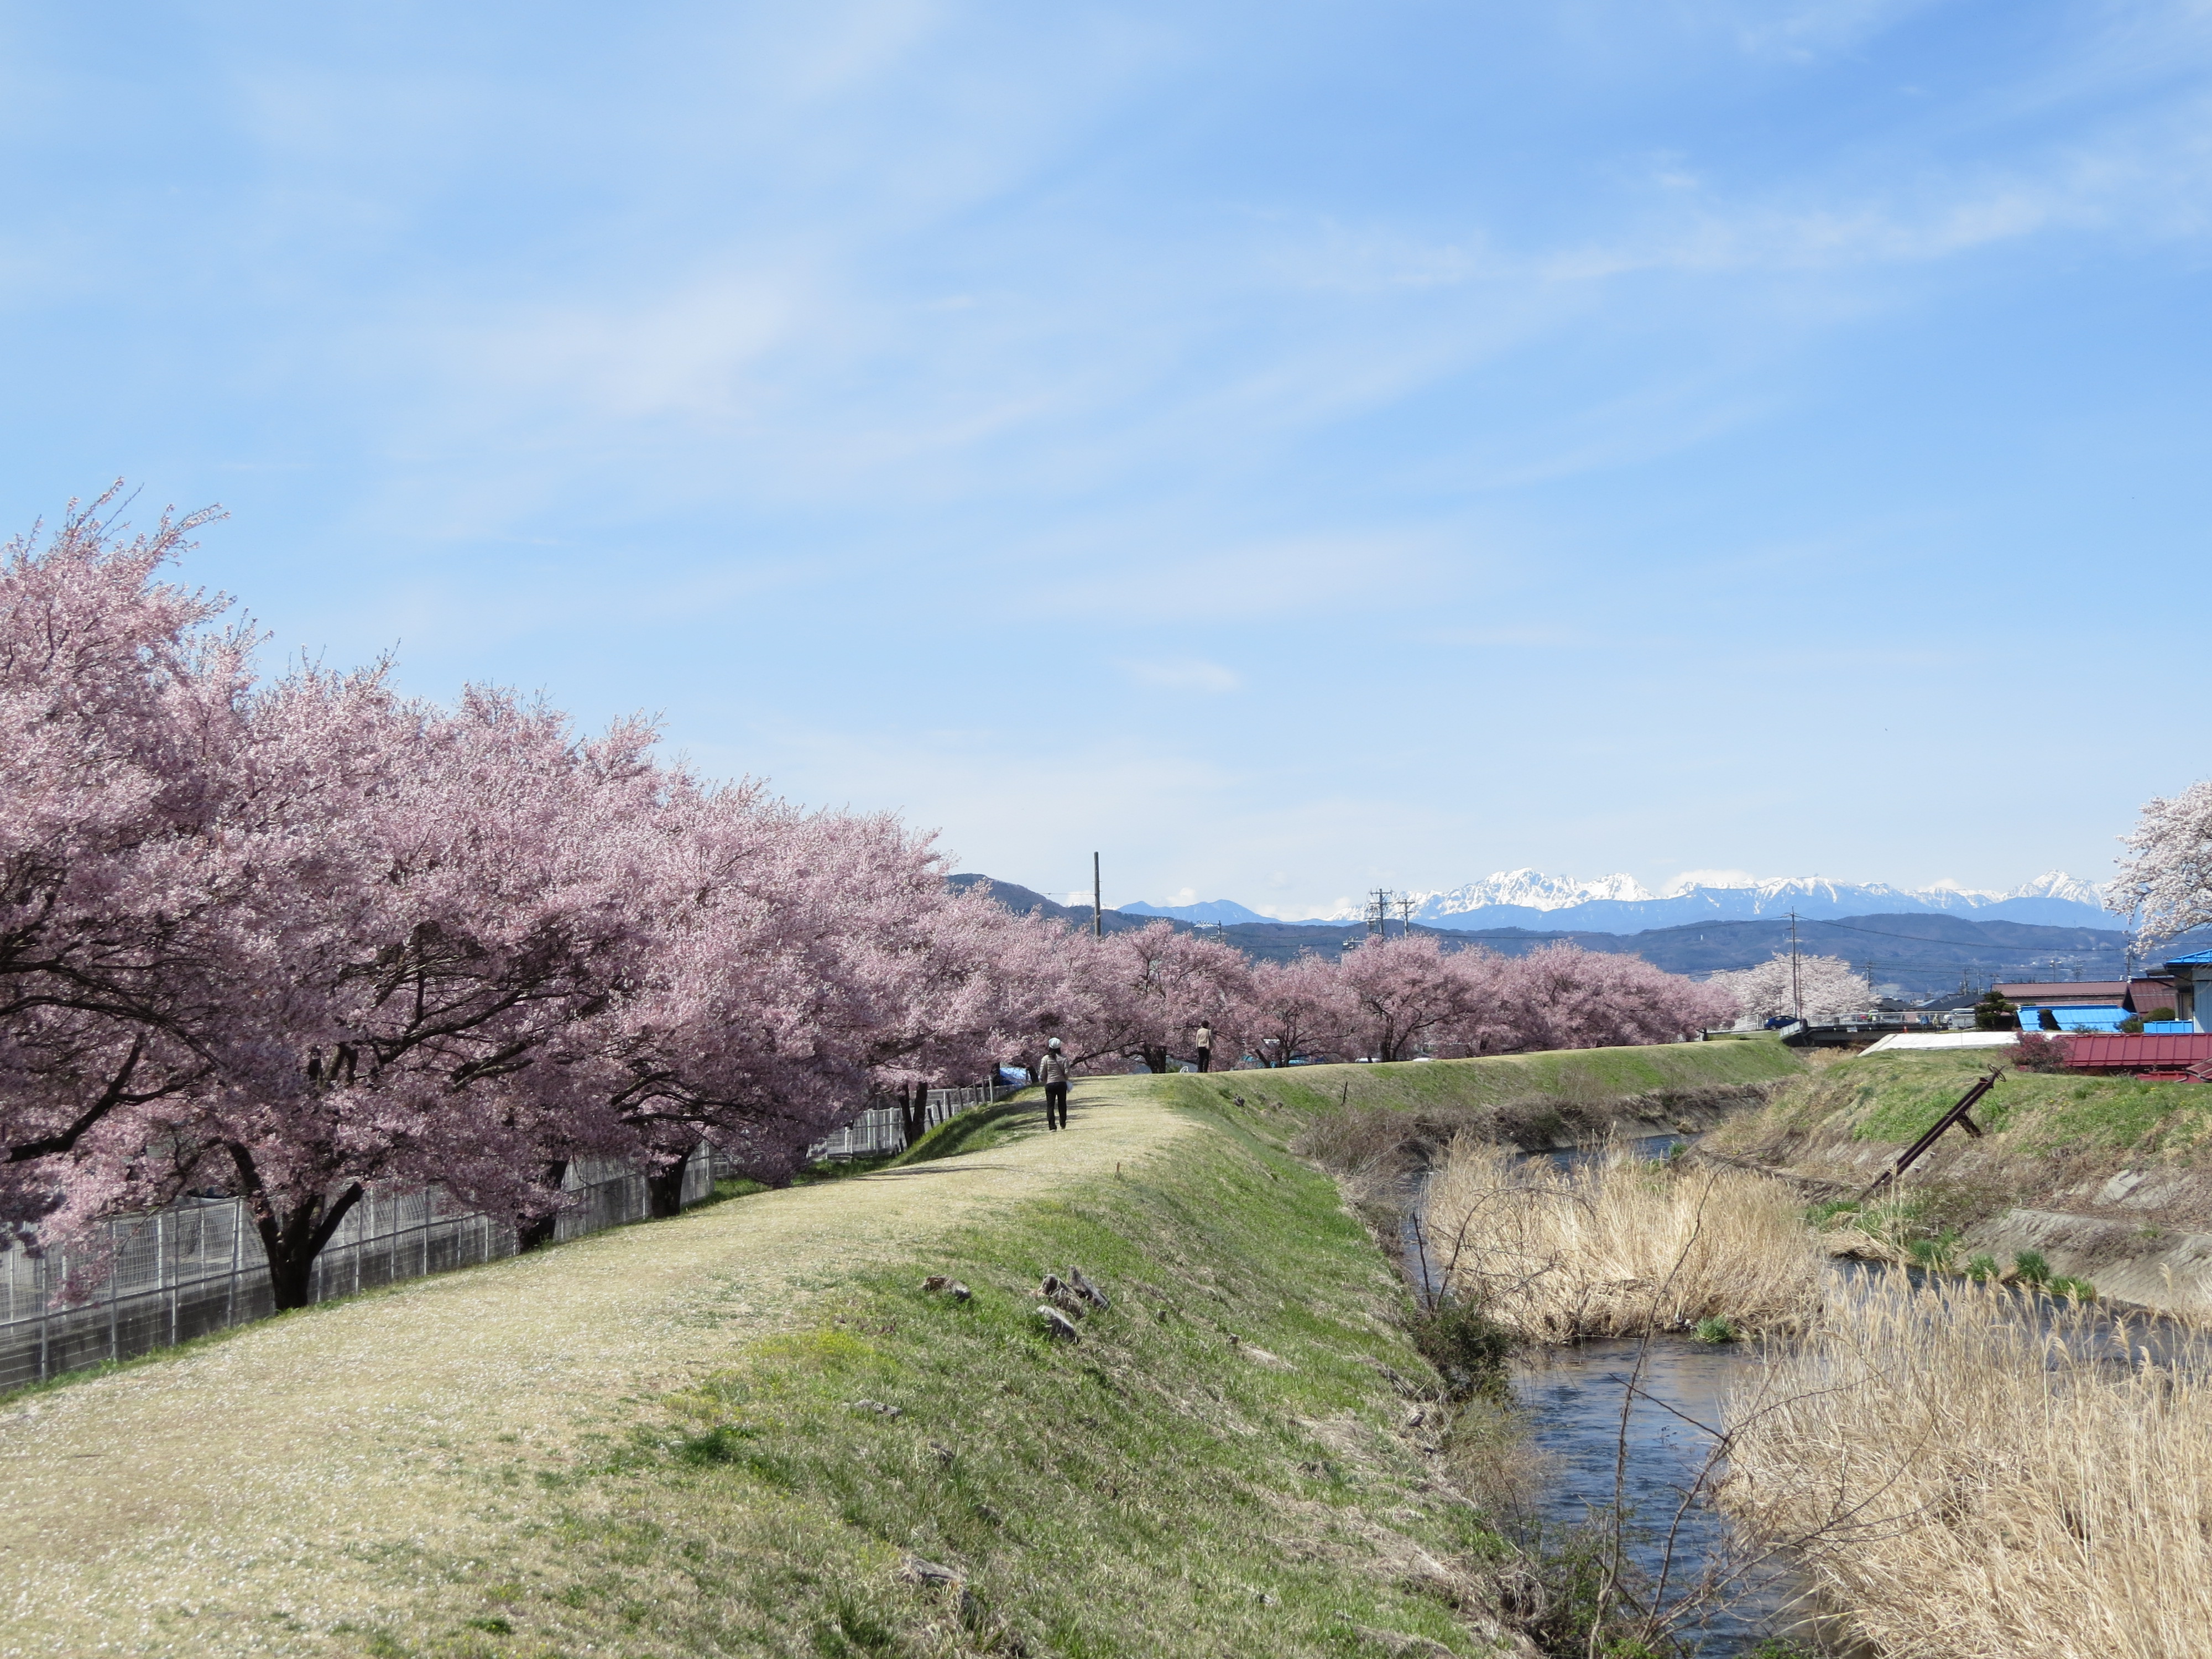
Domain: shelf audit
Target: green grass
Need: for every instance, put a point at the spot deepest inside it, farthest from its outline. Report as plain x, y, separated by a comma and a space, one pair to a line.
1569, 1073
1894, 1097
1212, 1469
979, 1128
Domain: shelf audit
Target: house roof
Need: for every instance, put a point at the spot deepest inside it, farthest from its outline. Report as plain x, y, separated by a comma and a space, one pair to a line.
2161, 1050
2151, 993
2192, 957
2060, 992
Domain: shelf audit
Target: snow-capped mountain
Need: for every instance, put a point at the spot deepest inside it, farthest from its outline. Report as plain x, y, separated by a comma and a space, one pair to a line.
1619, 905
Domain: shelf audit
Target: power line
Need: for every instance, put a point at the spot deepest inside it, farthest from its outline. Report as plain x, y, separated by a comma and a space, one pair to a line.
1923, 939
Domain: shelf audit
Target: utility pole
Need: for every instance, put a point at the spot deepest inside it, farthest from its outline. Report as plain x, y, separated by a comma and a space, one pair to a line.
1405, 915
1796, 995
1378, 914
1098, 905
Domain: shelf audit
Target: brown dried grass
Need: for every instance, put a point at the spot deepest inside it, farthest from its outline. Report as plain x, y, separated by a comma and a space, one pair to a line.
1969, 1485
1618, 1245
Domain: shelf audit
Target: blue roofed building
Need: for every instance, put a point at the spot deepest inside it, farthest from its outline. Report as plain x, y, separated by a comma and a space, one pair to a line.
2074, 1019
2193, 988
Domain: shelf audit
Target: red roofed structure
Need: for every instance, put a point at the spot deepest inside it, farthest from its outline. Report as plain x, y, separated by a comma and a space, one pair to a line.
2160, 1052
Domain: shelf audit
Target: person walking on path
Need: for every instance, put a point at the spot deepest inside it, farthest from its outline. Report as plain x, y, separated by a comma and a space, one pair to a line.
1052, 1074
1205, 1046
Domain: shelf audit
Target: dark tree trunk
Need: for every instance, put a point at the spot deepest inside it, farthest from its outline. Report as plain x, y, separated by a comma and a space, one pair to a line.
663, 1187
292, 1239
1156, 1059
536, 1233
915, 1117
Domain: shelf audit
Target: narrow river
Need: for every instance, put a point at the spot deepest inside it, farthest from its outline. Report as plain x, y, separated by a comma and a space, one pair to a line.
1652, 1463
1656, 1466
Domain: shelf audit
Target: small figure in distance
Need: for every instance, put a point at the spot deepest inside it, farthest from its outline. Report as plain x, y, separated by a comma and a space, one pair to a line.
1052, 1074
1205, 1046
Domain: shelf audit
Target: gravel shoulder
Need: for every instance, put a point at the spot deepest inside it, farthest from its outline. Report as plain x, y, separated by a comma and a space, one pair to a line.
277, 1483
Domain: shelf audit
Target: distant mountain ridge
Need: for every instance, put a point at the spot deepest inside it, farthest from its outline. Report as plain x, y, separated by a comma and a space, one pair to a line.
1620, 903
1226, 910
1912, 953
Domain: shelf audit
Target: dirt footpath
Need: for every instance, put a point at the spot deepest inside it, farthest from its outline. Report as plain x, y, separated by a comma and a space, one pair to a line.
298, 1475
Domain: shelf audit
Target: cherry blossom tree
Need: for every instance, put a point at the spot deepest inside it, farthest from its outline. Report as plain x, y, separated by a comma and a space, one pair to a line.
430, 900
793, 968
1825, 987
118, 705
2166, 876
1138, 994
1404, 992
1291, 1009
1562, 997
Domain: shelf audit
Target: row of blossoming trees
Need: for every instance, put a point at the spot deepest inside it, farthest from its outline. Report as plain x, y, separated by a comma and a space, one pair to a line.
293, 937
1388, 1000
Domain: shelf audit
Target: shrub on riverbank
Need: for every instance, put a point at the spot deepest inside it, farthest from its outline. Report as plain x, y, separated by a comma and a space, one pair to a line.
1974, 1488
1618, 1245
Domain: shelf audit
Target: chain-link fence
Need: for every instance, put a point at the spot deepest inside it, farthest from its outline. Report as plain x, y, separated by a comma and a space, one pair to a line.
881, 1130
198, 1266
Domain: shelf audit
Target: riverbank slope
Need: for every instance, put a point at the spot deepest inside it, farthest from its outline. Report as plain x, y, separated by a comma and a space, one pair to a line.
750, 1430
2109, 1178
1560, 1097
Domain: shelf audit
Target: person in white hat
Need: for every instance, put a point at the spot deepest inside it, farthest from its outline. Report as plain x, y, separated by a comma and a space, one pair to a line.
1052, 1074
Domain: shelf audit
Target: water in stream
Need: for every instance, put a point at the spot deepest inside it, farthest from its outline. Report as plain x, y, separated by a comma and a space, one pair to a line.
1656, 1465
1655, 1468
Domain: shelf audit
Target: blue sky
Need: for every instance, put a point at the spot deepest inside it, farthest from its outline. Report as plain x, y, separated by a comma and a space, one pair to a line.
1287, 448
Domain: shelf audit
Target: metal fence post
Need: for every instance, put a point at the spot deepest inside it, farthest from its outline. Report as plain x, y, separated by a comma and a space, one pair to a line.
230, 1295
114, 1277
176, 1266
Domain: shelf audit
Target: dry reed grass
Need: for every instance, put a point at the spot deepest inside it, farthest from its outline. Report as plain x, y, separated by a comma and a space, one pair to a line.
1968, 1484
1618, 1245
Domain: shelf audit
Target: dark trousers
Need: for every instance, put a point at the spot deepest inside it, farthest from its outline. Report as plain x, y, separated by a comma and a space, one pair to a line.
1055, 1101
1205, 1060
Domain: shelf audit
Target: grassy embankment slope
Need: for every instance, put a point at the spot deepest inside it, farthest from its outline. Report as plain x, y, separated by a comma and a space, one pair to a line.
1567, 1074
2109, 1177
674, 1439
1377, 1116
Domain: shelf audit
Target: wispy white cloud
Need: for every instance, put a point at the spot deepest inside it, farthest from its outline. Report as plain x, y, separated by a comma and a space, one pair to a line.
1540, 636
811, 366
1807, 31
1185, 674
